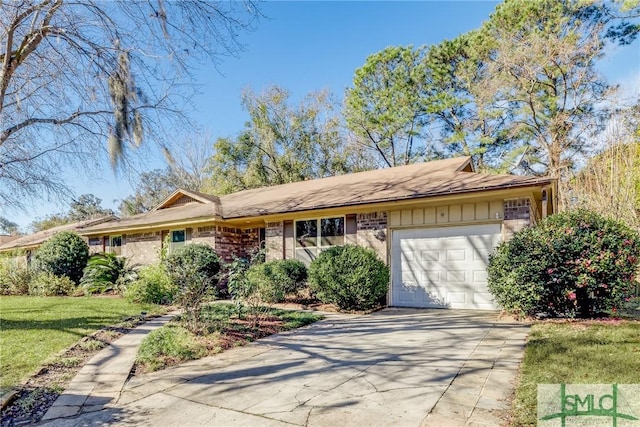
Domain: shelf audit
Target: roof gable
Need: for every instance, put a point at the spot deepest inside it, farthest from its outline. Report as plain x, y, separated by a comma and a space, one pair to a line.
181, 197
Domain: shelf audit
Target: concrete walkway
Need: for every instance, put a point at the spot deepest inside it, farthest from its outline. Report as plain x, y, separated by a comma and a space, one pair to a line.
395, 367
100, 382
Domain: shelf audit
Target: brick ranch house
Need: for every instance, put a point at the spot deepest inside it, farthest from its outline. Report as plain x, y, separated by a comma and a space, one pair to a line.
434, 223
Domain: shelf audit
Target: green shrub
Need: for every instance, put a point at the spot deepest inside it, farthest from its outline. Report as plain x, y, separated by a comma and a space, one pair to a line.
246, 293
352, 277
236, 277
152, 286
168, 345
107, 272
193, 269
572, 263
266, 283
49, 285
292, 274
14, 280
64, 254
273, 280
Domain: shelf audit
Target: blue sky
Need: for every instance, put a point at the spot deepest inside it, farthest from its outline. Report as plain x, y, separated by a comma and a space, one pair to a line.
306, 46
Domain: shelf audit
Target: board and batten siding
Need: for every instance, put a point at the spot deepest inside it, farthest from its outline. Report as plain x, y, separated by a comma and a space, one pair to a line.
448, 214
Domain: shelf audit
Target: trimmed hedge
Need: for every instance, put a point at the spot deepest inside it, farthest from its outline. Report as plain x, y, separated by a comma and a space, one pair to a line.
273, 280
195, 258
572, 263
64, 254
292, 273
352, 277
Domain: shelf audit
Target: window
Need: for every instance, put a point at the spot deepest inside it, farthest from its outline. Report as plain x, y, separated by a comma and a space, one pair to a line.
313, 235
307, 233
331, 231
178, 238
262, 237
116, 245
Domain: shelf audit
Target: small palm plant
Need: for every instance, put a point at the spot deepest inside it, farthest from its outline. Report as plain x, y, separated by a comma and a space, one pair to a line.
107, 273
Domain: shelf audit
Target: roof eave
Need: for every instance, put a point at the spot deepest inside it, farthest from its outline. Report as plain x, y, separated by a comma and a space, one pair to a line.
161, 224
417, 196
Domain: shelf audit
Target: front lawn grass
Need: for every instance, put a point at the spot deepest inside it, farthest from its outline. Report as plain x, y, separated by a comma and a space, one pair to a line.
220, 328
589, 352
33, 329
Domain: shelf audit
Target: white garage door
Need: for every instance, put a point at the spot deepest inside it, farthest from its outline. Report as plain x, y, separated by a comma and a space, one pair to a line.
443, 267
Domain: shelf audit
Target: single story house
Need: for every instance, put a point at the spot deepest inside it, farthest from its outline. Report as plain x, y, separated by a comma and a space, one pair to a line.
433, 223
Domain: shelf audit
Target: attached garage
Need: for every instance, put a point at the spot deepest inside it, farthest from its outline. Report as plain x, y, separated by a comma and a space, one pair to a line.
442, 267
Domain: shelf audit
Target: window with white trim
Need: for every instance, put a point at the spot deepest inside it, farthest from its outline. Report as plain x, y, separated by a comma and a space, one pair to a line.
178, 239
314, 235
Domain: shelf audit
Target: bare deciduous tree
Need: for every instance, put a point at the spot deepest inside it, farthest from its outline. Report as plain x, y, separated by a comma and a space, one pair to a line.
83, 80
610, 182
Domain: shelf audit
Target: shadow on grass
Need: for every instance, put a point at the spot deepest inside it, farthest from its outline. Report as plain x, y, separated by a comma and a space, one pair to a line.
70, 325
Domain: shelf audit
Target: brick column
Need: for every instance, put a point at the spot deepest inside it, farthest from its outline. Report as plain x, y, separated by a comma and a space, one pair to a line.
517, 215
274, 240
372, 232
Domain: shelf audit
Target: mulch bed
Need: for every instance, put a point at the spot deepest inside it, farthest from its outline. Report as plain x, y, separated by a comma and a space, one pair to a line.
238, 333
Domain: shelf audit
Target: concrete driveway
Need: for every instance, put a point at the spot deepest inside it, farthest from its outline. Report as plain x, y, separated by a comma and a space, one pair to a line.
395, 367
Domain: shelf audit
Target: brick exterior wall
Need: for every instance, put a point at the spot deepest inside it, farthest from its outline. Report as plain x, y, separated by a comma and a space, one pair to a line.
274, 240
517, 215
228, 242
205, 235
250, 242
95, 245
142, 248
371, 232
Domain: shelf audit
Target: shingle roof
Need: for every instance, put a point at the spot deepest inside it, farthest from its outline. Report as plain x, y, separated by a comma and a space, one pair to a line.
436, 178
188, 212
393, 184
38, 238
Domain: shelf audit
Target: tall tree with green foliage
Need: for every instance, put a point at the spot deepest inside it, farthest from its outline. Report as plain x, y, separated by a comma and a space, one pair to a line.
471, 121
84, 207
87, 206
153, 187
519, 94
283, 142
543, 65
385, 108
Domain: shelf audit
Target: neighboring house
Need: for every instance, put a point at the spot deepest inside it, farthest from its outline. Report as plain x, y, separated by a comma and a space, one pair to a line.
23, 246
433, 223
